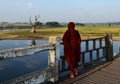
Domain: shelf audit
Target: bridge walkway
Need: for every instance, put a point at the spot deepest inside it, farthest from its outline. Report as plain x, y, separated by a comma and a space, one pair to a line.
106, 73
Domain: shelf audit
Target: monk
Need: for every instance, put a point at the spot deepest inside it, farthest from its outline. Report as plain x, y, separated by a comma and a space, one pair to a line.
71, 41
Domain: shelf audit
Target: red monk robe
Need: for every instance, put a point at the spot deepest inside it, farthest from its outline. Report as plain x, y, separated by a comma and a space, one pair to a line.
71, 41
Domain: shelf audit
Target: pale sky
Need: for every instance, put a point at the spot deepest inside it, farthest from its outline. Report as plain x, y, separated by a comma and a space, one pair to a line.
60, 10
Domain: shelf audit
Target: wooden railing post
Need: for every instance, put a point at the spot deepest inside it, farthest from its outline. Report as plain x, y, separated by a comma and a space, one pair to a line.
54, 57
109, 47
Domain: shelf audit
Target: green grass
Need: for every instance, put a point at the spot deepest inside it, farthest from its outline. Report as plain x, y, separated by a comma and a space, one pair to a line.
98, 30
42, 32
84, 31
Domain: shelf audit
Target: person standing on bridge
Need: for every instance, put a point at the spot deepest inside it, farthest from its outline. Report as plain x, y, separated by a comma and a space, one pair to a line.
71, 41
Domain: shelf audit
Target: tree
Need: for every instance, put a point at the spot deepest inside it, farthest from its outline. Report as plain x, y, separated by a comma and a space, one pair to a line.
109, 24
35, 23
53, 24
80, 24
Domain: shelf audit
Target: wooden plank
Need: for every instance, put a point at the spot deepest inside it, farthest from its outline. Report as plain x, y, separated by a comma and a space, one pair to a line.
114, 66
94, 44
91, 57
97, 54
107, 75
116, 62
100, 42
84, 82
82, 76
98, 80
117, 69
83, 58
93, 39
104, 80
93, 50
99, 77
112, 71
87, 44
117, 59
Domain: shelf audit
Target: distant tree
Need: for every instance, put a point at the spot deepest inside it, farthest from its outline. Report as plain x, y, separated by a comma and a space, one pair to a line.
53, 24
80, 24
4, 22
39, 24
35, 23
77, 24
94, 25
109, 24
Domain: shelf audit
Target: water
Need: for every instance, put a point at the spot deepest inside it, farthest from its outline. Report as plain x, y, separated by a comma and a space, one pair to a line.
7, 44
13, 29
12, 68
15, 67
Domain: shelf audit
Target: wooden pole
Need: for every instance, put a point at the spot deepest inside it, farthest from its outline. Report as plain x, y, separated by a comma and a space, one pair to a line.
109, 47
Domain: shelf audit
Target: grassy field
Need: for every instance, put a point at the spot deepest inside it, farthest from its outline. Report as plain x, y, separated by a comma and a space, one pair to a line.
91, 31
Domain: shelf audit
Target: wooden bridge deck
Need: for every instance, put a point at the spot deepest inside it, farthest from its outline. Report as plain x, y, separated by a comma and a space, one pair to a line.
108, 73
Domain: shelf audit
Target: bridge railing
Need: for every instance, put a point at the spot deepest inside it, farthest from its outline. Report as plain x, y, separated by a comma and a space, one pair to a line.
92, 51
50, 73
56, 64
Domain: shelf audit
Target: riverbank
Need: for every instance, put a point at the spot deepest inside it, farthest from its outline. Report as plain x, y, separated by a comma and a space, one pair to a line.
43, 33
46, 37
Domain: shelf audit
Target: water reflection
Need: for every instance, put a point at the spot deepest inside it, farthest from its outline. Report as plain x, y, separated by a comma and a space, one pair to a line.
7, 44
33, 42
12, 68
18, 66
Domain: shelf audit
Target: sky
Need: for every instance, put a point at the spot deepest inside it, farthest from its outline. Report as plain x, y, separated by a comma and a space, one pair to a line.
83, 11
